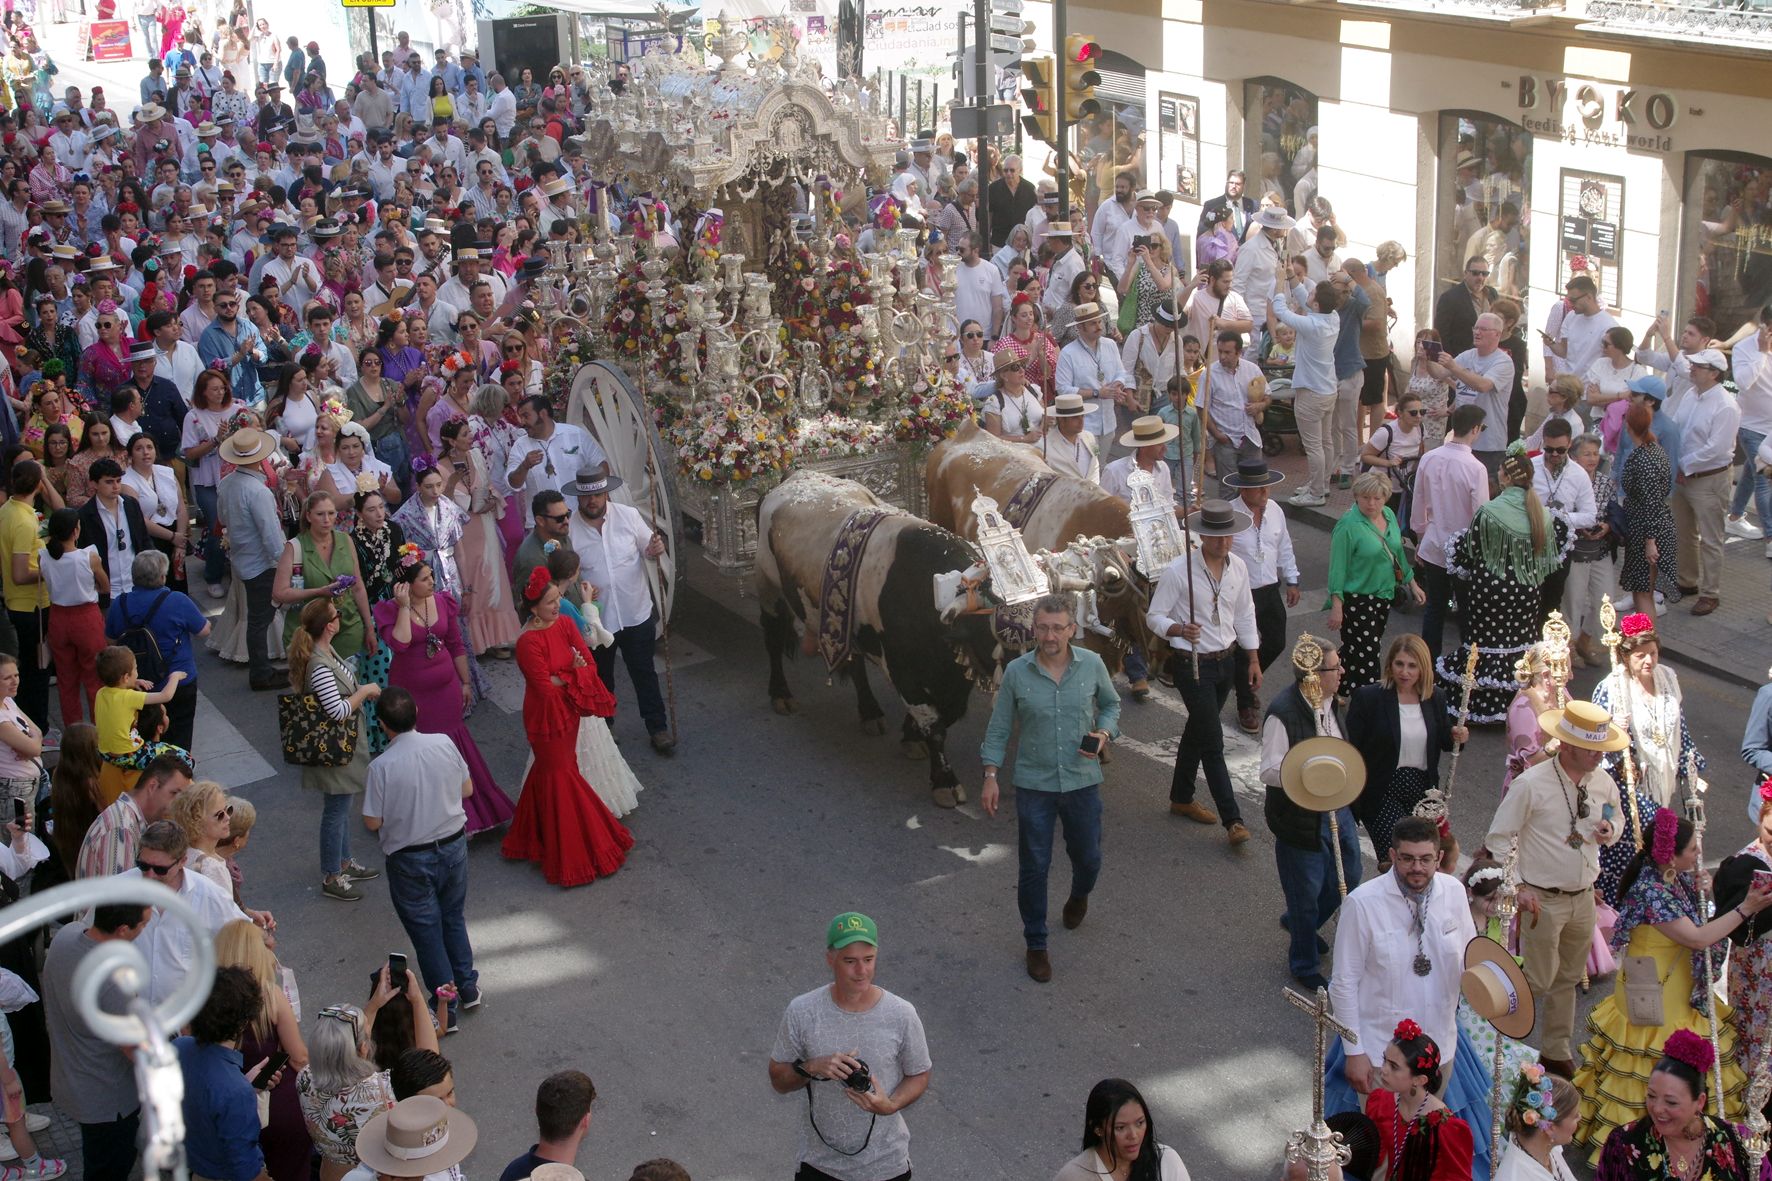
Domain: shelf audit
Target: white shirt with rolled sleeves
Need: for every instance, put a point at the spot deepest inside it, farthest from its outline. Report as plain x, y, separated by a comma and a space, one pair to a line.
613, 559
1375, 985
1753, 384
167, 944
1085, 369
1569, 492
1236, 607
1266, 549
1708, 426
1227, 400
566, 453
1252, 276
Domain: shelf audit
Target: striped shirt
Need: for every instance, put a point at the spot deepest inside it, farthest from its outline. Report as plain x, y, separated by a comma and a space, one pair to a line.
112, 842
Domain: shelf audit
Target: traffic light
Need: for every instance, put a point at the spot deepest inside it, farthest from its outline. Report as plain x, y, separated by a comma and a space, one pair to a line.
1039, 98
1080, 78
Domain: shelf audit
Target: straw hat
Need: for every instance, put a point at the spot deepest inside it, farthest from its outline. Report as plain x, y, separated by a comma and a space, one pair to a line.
1149, 431
417, 1136
1497, 989
152, 112
1585, 725
1322, 774
246, 446
1071, 406
1273, 218
1059, 229
1088, 312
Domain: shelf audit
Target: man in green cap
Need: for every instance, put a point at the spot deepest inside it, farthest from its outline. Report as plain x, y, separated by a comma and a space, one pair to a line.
866, 1041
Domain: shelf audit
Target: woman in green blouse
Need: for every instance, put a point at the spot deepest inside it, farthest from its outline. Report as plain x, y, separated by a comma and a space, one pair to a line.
1366, 566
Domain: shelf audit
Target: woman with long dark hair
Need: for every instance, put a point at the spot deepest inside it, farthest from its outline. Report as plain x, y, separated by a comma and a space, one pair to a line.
1120, 1139
1419, 1139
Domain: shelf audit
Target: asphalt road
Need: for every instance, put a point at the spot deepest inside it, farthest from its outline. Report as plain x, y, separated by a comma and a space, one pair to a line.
667, 982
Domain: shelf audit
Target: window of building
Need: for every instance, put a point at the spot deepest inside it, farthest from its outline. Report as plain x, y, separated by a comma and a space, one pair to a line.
1486, 179
1726, 241
1280, 142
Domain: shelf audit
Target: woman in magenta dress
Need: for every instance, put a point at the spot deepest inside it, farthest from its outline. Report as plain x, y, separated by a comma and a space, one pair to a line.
422, 630
560, 821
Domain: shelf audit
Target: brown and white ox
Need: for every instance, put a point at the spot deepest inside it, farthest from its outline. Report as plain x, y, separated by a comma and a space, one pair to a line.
975, 461
910, 612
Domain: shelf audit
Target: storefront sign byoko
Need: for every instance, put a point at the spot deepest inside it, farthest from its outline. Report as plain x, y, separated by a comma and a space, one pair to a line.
1592, 113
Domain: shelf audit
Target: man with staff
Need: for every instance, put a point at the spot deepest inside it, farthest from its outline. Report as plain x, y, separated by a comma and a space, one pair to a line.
1204, 607
1303, 795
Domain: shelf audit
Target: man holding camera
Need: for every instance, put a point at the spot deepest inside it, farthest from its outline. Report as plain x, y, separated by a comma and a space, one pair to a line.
869, 1043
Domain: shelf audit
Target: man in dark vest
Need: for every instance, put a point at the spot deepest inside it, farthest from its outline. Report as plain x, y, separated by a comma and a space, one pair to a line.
1302, 792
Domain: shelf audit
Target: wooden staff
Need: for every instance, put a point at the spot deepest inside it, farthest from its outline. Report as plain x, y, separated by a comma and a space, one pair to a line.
1695, 813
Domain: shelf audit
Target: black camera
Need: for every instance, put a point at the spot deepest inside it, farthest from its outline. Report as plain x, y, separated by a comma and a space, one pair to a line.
859, 1080
1143, 240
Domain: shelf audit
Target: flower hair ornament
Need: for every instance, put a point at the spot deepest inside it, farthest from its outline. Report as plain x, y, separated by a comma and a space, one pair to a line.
409, 555
1636, 624
334, 407
1765, 789
511, 367
423, 462
1686, 1047
1406, 1031
1489, 873
1662, 848
107, 307
455, 362
537, 586
1532, 1096
1428, 1059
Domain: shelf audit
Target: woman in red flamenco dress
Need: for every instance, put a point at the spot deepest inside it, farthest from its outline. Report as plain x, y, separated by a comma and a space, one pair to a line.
560, 821
1418, 1138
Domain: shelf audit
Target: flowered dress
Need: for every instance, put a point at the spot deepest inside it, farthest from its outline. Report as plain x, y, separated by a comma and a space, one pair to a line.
1750, 955
1619, 1056
1636, 1153
375, 562
1651, 720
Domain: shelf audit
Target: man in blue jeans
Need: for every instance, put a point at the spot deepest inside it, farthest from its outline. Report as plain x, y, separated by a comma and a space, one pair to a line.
1304, 847
412, 803
1064, 702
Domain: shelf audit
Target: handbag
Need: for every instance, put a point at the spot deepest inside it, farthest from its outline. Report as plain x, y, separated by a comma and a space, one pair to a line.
1641, 985
311, 736
1129, 305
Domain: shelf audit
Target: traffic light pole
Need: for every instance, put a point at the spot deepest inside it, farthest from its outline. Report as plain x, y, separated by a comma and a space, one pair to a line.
1060, 122
981, 99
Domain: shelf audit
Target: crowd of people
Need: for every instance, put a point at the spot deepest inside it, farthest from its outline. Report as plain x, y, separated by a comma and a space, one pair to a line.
286, 358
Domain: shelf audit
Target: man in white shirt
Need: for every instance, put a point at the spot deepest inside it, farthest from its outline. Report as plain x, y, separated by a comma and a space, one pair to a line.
1067, 446
1212, 307
1582, 331
1266, 550
502, 106
979, 292
175, 359
1090, 367
1563, 487
1483, 376
1559, 861
70, 142
613, 544
1675, 362
471, 268
1232, 434
1151, 354
550, 455
1067, 264
1399, 953
1451, 484
1109, 230
1221, 620
1313, 383
446, 148
297, 278
1752, 359
1146, 223
1709, 421
1148, 439
1258, 263
167, 944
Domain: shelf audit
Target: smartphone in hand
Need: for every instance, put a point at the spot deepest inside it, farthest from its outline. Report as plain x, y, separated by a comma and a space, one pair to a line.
397, 970
1762, 881
277, 1061
1091, 744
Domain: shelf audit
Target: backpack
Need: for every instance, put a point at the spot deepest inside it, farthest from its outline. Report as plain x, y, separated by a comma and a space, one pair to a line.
150, 665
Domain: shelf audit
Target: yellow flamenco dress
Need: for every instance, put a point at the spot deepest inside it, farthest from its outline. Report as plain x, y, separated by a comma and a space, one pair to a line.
1618, 1056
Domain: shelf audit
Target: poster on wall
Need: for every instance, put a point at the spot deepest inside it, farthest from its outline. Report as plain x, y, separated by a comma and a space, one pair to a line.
1178, 144
1589, 216
109, 42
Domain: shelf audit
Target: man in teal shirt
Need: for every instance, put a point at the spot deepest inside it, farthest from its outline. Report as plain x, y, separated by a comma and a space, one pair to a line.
1062, 698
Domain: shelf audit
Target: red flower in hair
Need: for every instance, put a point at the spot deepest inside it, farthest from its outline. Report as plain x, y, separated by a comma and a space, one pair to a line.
538, 584
1635, 624
1685, 1046
1406, 1031
1766, 788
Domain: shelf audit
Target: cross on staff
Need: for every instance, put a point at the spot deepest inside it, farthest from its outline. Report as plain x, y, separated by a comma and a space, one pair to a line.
1318, 1148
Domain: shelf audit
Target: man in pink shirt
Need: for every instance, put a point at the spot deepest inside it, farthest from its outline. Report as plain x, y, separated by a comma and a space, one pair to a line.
1451, 484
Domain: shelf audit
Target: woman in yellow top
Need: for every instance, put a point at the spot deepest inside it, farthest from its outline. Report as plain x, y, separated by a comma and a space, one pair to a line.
442, 107
120, 699
1658, 919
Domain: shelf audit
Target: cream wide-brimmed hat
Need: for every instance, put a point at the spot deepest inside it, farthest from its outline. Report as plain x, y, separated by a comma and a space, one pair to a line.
1583, 724
1323, 774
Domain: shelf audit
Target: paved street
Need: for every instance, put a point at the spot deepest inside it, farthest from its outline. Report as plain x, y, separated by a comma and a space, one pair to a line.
666, 982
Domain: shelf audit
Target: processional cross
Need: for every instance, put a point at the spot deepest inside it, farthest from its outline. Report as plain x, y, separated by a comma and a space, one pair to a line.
1318, 1148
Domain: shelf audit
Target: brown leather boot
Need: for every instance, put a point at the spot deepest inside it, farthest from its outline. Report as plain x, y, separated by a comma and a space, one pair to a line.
1039, 966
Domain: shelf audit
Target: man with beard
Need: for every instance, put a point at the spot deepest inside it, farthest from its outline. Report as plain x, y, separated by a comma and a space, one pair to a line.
236, 343
614, 543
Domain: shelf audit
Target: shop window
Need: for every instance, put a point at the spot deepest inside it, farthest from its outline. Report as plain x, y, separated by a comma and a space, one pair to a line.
1726, 242
1481, 205
1280, 142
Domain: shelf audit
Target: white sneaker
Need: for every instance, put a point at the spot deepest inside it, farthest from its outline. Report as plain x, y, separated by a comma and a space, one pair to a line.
1743, 528
1769, 549
217, 591
1304, 499
35, 1122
